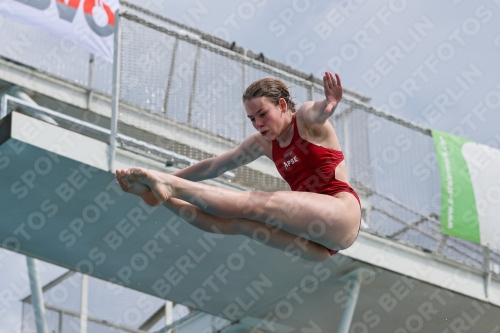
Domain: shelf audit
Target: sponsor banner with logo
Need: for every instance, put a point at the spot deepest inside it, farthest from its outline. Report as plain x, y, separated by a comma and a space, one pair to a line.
470, 189
86, 23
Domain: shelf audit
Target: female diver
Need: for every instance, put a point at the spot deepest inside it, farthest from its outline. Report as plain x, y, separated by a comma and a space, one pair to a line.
319, 216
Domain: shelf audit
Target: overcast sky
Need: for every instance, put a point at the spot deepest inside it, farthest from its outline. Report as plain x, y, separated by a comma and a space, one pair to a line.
435, 65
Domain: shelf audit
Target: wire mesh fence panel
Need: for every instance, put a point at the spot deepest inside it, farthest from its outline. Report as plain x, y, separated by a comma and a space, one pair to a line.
53, 320
495, 261
146, 55
110, 308
180, 84
102, 76
402, 167
466, 251
357, 152
455, 254
350, 127
383, 224
40, 50
119, 305
66, 294
216, 102
415, 237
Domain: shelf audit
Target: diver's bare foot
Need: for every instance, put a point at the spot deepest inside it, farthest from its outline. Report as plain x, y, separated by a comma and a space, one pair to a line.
133, 186
156, 181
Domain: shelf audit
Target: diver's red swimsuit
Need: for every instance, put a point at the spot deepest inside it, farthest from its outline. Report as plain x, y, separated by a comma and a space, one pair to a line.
308, 167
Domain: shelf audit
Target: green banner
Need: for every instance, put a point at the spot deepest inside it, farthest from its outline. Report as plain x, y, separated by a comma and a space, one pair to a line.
470, 189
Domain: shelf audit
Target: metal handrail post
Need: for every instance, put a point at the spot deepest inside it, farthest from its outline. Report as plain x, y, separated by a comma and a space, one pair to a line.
193, 85
115, 91
37, 296
244, 84
84, 304
91, 80
3, 106
487, 267
168, 314
170, 76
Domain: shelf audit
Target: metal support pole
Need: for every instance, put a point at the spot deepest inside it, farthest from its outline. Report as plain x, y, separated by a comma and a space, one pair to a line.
193, 86
84, 304
3, 106
37, 296
22, 321
442, 243
60, 324
168, 314
487, 283
115, 91
345, 322
244, 78
347, 148
91, 80
355, 278
170, 75
487, 268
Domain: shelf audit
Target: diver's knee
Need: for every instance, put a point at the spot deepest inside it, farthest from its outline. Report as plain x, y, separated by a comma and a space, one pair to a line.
254, 206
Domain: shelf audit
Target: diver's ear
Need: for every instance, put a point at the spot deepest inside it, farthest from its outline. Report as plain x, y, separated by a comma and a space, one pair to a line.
283, 105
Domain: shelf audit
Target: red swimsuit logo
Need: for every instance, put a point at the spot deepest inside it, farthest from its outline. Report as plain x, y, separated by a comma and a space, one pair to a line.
291, 161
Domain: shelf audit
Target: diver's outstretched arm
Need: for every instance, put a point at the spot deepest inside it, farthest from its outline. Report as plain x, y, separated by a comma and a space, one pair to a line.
247, 151
319, 111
